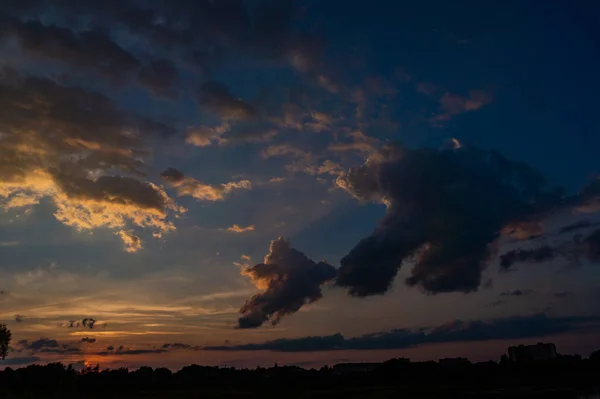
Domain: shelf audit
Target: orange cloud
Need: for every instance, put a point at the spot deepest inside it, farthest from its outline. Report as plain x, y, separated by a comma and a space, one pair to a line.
239, 229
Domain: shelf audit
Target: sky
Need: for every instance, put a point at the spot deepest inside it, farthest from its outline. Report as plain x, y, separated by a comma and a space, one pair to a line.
239, 183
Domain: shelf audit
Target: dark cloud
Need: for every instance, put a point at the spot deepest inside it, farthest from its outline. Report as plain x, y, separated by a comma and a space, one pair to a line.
42, 343
86, 323
123, 351
88, 340
215, 96
538, 325
179, 345
90, 50
516, 293
19, 361
288, 280
564, 294
574, 250
536, 255
204, 32
577, 226
444, 209
19, 318
172, 175
46, 345
160, 77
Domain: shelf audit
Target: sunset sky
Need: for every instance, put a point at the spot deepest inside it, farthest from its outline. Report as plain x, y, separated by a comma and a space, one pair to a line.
306, 182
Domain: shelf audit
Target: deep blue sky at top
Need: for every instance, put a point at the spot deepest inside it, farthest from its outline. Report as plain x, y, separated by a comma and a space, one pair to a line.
538, 58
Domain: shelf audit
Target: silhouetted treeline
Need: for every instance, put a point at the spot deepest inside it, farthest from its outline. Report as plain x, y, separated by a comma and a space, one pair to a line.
563, 377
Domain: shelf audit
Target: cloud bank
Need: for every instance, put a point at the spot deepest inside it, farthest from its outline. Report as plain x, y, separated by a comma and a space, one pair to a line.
538, 325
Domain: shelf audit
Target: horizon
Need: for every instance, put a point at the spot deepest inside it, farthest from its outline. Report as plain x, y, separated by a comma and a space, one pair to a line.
297, 182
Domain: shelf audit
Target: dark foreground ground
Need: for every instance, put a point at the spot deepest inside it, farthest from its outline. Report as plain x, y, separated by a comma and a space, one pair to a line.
565, 377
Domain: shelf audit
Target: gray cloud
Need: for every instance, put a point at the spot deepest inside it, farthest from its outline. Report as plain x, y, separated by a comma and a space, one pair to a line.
288, 280
88, 340
516, 293
538, 325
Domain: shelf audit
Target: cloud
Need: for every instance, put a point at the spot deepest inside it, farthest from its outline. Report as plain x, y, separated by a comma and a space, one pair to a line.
90, 50
287, 279
359, 142
88, 340
78, 149
516, 293
159, 77
578, 248
132, 242
187, 186
19, 318
538, 325
537, 255
454, 104
239, 229
444, 210
122, 351
215, 96
564, 294
203, 136
85, 323
19, 361
46, 345
179, 345
205, 33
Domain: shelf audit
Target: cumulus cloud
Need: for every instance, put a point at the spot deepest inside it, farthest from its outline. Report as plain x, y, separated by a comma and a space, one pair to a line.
188, 186
287, 280
444, 209
240, 229
78, 149
538, 325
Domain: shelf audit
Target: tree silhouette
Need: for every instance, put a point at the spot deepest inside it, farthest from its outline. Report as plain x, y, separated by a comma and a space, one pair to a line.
5, 336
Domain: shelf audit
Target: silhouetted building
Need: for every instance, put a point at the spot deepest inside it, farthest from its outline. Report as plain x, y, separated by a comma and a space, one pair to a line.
343, 368
532, 353
454, 362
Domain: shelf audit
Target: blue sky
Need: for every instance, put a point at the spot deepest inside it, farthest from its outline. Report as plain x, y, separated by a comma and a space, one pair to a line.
150, 152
